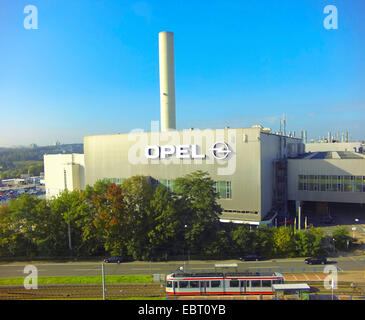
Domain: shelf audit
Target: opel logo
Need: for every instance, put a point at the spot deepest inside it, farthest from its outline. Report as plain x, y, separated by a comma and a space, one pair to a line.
220, 150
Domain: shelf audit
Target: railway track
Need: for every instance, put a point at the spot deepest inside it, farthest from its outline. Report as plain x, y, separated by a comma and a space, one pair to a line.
60, 292
120, 291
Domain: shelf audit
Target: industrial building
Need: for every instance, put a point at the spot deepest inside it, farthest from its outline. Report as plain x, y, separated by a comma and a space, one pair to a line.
257, 172
63, 171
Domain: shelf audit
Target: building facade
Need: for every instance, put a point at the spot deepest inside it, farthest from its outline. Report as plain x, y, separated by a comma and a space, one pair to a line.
240, 161
63, 171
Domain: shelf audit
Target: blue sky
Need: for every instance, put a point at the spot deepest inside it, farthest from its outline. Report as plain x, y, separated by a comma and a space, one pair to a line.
92, 67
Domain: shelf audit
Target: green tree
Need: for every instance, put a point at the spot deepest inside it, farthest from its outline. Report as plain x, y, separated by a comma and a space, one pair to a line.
163, 234
68, 210
199, 209
137, 196
24, 218
341, 238
263, 241
283, 242
10, 239
243, 240
309, 242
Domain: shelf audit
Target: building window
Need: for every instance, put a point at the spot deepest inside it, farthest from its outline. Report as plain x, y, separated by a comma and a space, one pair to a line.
224, 189
345, 183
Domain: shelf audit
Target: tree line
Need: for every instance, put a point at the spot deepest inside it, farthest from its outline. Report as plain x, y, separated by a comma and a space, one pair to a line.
142, 220
17, 161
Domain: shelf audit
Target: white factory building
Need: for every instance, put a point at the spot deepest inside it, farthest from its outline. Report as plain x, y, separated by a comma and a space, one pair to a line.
257, 172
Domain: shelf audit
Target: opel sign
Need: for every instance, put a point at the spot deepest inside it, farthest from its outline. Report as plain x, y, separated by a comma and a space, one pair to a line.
181, 152
220, 151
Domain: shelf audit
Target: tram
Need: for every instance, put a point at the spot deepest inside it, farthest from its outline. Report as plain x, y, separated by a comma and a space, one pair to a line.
221, 283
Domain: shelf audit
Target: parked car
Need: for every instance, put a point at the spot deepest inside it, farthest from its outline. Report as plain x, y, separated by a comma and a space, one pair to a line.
115, 259
316, 260
251, 257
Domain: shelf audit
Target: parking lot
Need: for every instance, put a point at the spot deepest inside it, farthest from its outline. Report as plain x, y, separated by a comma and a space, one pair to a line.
7, 193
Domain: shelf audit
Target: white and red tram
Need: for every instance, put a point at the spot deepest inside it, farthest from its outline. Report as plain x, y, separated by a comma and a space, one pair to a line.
221, 284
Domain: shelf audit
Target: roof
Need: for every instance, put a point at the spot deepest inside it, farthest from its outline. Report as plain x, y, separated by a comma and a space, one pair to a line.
331, 155
229, 274
291, 286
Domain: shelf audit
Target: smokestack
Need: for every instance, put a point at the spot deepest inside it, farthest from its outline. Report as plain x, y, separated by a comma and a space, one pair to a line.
167, 80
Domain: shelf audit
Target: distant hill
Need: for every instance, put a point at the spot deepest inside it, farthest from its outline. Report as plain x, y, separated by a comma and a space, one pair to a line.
14, 161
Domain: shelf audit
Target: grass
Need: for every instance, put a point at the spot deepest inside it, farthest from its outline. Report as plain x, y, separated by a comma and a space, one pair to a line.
81, 280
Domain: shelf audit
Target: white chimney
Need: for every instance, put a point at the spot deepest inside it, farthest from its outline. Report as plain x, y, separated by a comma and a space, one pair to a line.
167, 81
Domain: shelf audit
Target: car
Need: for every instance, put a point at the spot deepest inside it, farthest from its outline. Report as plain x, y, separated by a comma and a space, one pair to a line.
316, 260
251, 257
115, 259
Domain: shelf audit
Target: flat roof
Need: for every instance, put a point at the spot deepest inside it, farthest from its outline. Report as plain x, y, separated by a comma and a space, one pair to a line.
291, 286
330, 155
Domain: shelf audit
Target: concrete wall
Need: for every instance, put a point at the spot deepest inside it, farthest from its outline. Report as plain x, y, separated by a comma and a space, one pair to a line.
63, 171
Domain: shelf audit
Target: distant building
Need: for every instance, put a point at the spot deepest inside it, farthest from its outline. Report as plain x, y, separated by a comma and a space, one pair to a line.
333, 176
63, 171
334, 146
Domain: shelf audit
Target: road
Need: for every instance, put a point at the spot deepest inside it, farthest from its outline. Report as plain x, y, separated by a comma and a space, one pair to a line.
295, 265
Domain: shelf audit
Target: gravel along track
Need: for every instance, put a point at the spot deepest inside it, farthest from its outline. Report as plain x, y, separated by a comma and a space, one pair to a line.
58, 292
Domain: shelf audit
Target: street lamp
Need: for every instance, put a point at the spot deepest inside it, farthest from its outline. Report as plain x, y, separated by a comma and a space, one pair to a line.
185, 227
353, 232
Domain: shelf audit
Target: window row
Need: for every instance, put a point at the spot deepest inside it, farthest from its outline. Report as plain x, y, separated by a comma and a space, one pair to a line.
114, 180
223, 188
331, 183
240, 211
219, 283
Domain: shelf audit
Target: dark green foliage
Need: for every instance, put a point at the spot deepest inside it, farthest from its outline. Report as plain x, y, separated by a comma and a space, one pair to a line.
144, 221
341, 238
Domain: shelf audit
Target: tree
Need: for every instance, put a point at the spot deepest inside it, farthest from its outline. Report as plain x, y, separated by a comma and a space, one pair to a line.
199, 208
110, 220
10, 240
137, 195
283, 242
69, 209
264, 241
243, 240
341, 238
309, 242
163, 235
24, 218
